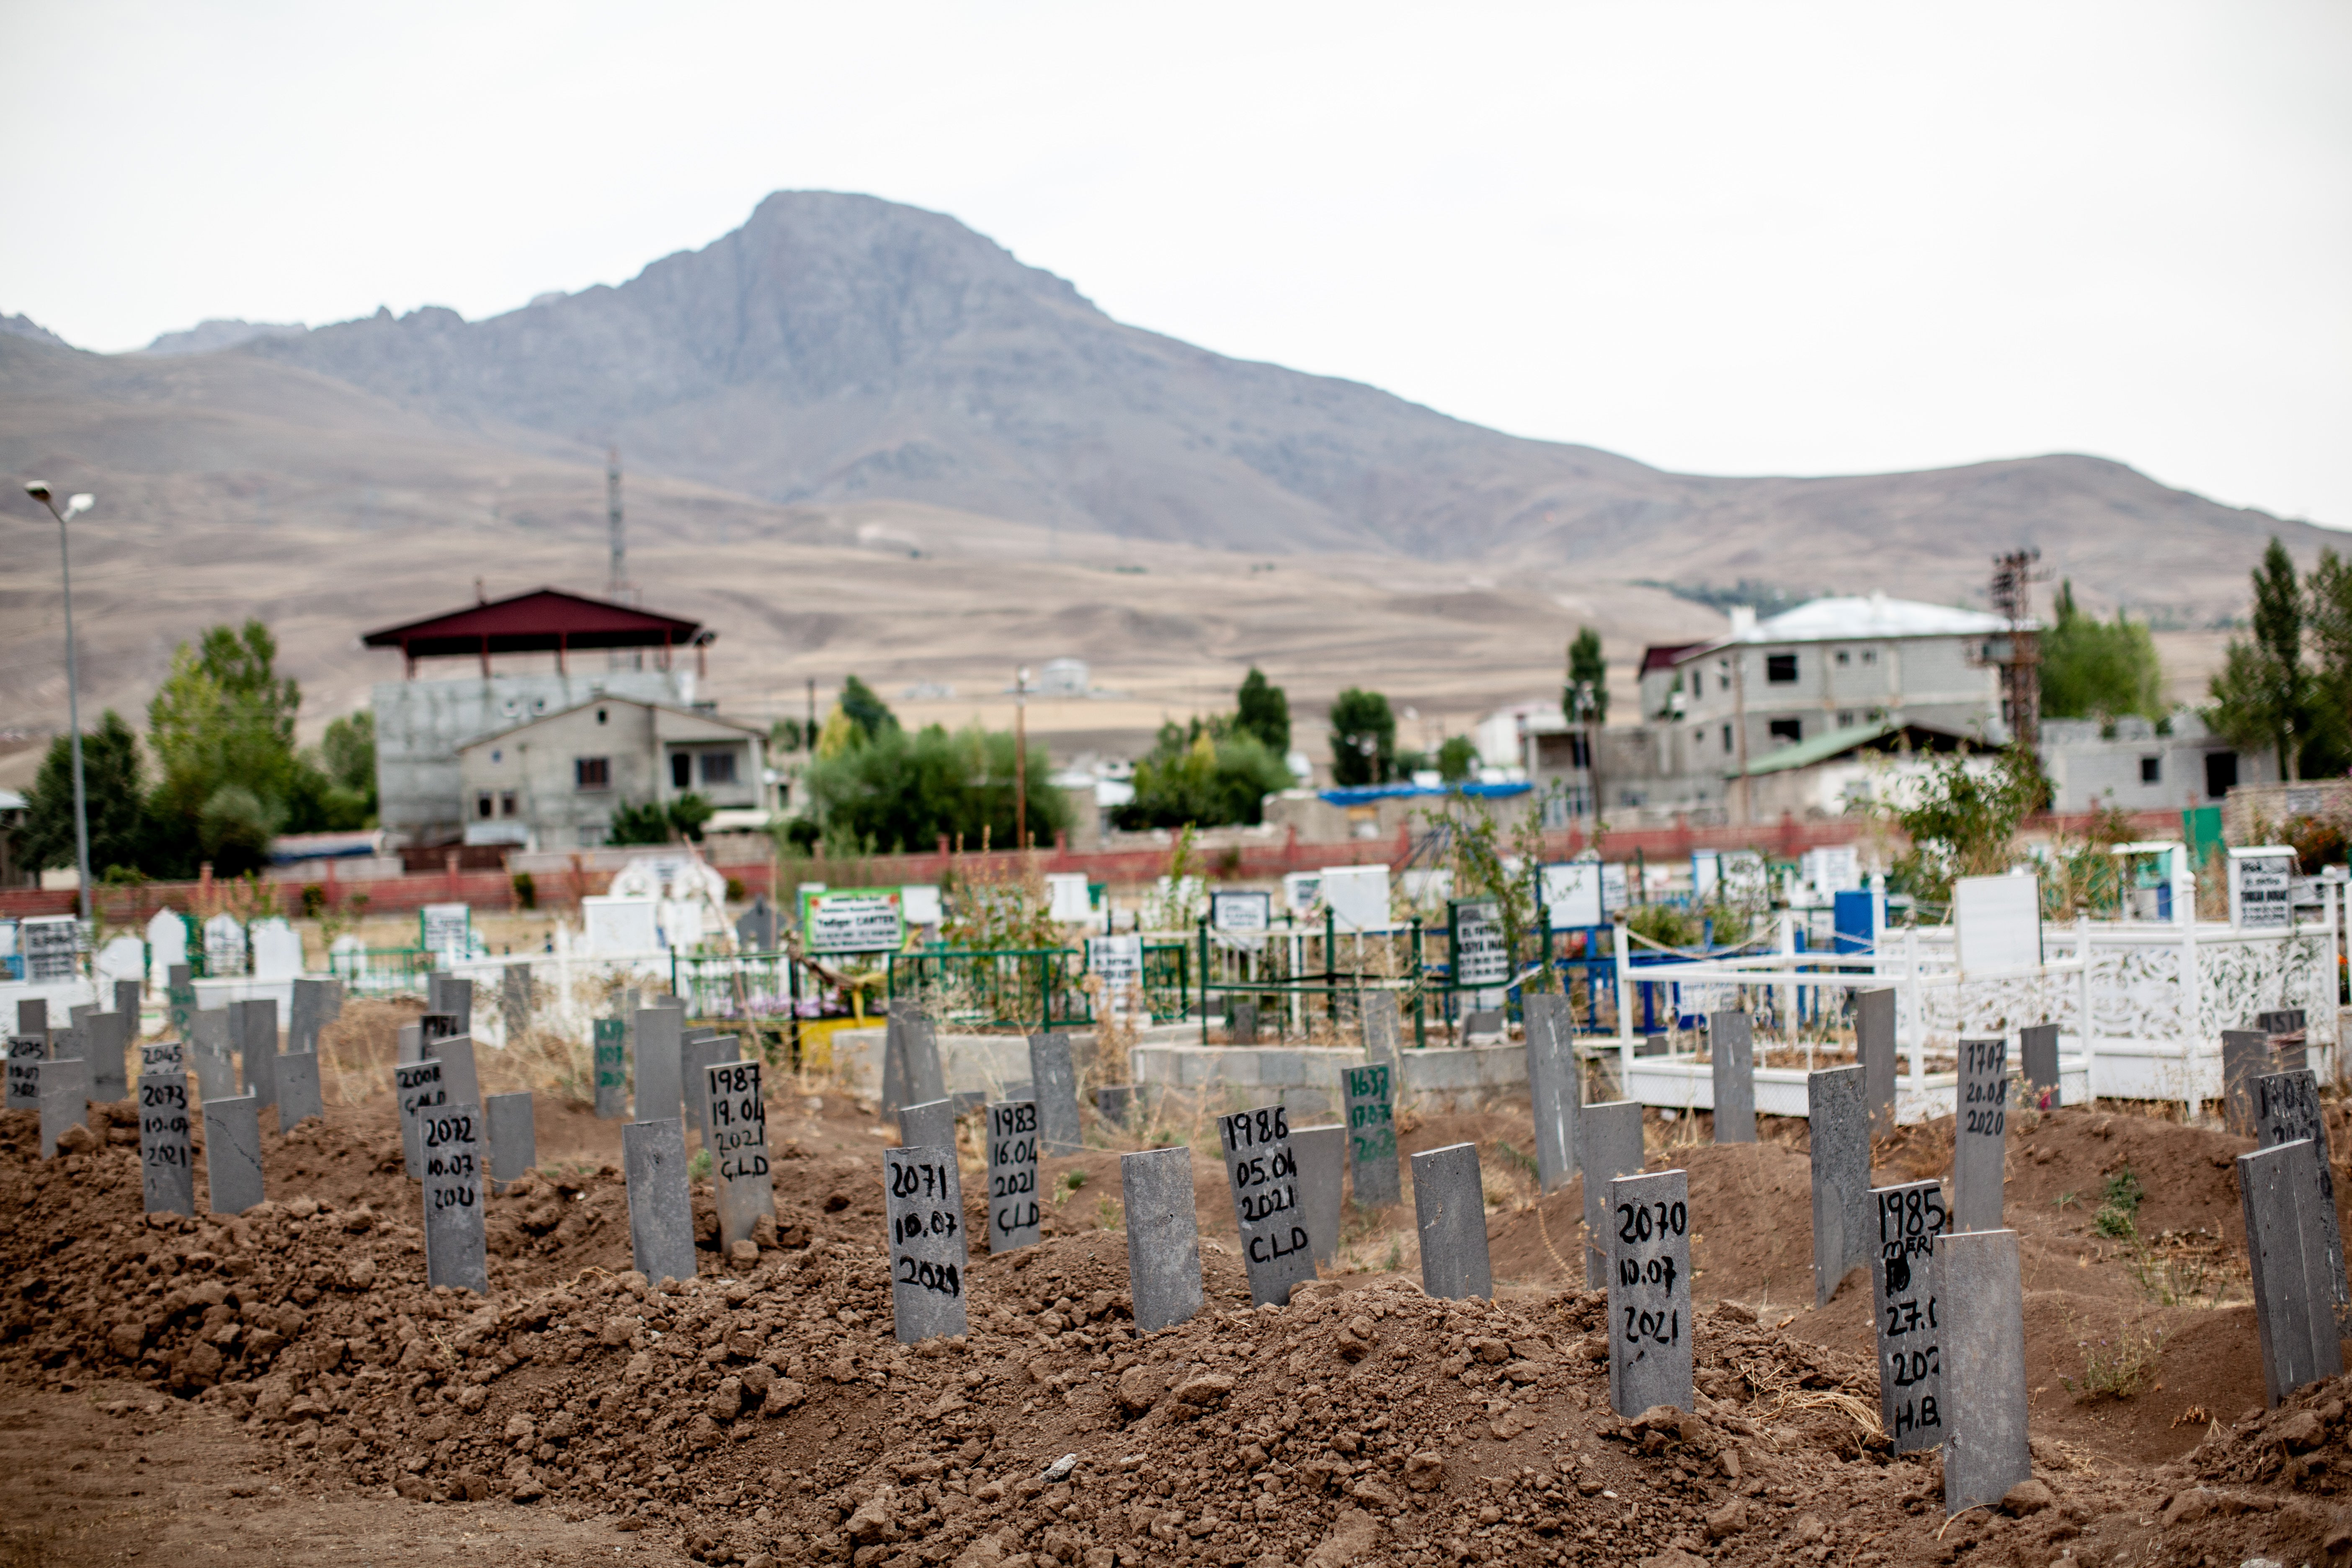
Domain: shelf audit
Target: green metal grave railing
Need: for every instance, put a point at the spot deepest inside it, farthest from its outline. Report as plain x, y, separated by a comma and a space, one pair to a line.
1035, 988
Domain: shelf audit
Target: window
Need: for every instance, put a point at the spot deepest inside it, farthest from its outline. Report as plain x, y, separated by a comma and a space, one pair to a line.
2221, 774
1846, 718
2151, 770
506, 803
681, 769
1722, 681
1788, 730
600, 715
1726, 739
592, 772
482, 804
1780, 668
1580, 755
1870, 655
1844, 657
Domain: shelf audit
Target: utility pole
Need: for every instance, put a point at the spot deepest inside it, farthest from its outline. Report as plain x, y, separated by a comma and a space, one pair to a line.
1740, 723
616, 583
1021, 758
2020, 662
74, 505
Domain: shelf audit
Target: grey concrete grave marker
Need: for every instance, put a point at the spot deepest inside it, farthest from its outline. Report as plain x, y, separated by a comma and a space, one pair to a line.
1838, 1122
1371, 1134
911, 1058
2037, 1057
233, 1154
661, 1214
1053, 1085
440, 1027
208, 1031
1482, 1024
738, 1141
1163, 1236
455, 997
514, 1137
755, 929
661, 1084
931, 1125
2245, 1057
923, 1192
25, 1055
1262, 1172
1114, 1101
1554, 1084
1874, 1042
2286, 1250
612, 1069
107, 1038
1982, 1304
180, 1003
1449, 1210
1014, 1214
1322, 1153
32, 1017
1731, 1048
167, 1172
1653, 1046
66, 1044
65, 1101
1244, 1026
162, 1056
2287, 1107
417, 1090
1384, 1026
456, 1248
216, 1074
254, 1025
408, 1043
1910, 1217
2288, 1037
306, 1015
515, 999
455, 1055
1649, 1292
698, 1055
299, 1096
1980, 1134
130, 996
1608, 1145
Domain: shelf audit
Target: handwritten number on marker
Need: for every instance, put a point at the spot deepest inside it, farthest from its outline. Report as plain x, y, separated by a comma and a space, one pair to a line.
945, 1278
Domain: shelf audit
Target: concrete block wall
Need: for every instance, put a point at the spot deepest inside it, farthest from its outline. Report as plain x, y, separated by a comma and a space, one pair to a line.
1307, 1079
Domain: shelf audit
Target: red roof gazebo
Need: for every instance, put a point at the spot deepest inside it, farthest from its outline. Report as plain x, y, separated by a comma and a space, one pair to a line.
547, 620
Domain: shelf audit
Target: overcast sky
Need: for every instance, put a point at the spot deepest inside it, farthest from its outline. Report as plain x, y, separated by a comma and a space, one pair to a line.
1736, 238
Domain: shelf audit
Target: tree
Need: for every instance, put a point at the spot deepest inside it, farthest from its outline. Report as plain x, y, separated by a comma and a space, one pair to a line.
1585, 699
347, 761
896, 792
2093, 669
2262, 696
1363, 739
652, 823
866, 710
2329, 751
222, 730
114, 799
1964, 821
1457, 759
1204, 775
1262, 708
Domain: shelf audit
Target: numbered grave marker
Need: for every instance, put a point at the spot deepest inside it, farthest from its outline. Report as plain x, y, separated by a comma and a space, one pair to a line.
737, 1137
2286, 1108
930, 1125
1449, 1209
254, 1028
1985, 1404
418, 1091
699, 1054
162, 1056
1649, 1292
65, 1101
455, 1244
1322, 1183
455, 1055
612, 1070
32, 1017
924, 1195
1262, 1171
1245, 1025
2037, 1058
167, 1172
514, 1137
1981, 1135
1163, 1236
1371, 1134
1053, 1085
26, 1054
1903, 1293
1731, 1048
233, 1154
2245, 1057
1554, 1084
1608, 1145
1838, 1119
661, 1214
1013, 1215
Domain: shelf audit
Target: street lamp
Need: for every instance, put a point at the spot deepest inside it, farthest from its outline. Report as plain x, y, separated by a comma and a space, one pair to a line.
75, 506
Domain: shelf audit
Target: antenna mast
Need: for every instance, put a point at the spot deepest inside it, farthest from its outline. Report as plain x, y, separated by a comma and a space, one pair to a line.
2020, 666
